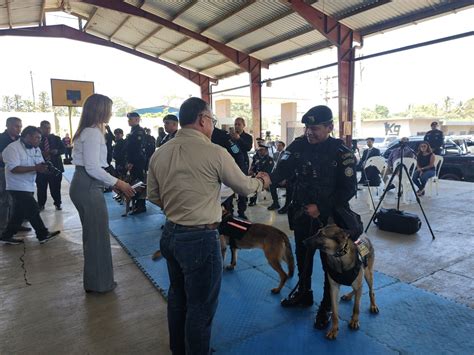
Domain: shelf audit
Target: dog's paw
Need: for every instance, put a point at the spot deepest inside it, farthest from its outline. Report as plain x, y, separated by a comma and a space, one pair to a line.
332, 334
347, 297
374, 309
229, 268
275, 290
157, 255
354, 324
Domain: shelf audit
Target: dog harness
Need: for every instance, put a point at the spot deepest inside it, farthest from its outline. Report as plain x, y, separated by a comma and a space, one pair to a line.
347, 277
234, 228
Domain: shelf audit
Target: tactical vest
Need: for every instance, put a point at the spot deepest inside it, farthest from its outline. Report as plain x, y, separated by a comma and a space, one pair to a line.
316, 171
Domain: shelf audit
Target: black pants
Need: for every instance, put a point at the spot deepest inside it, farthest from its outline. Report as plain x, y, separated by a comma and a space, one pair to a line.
274, 193
25, 207
54, 182
304, 228
137, 173
68, 153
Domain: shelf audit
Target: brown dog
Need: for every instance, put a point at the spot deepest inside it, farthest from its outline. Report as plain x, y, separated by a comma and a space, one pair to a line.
343, 259
275, 244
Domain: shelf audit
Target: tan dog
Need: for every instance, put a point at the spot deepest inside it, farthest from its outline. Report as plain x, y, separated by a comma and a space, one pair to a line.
342, 259
275, 244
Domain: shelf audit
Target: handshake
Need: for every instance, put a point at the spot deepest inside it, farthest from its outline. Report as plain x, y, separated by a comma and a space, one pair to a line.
265, 179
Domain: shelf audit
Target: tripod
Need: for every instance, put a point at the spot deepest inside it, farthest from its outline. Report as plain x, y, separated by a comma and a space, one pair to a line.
399, 171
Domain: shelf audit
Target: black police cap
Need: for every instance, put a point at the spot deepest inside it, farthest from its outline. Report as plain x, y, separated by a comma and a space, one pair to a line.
133, 115
317, 115
170, 118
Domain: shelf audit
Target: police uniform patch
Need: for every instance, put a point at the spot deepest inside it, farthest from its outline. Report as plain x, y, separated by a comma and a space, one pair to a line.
348, 161
285, 155
349, 172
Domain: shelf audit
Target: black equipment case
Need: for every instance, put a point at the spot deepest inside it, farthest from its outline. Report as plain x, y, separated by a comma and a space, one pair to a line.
392, 220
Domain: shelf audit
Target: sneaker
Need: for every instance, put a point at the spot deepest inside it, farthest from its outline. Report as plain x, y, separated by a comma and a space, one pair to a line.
242, 215
23, 229
58, 208
322, 318
10, 240
298, 299
283, 210
273, 206
48, 237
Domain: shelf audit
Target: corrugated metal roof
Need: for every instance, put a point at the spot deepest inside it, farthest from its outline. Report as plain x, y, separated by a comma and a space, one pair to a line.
268, 30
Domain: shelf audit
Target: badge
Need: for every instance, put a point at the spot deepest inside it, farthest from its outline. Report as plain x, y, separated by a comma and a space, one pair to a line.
349, 172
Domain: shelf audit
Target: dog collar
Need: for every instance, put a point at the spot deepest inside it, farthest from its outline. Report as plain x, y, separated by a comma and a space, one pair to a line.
342, 251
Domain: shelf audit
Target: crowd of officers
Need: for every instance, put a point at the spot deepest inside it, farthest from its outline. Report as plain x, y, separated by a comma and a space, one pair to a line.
132, 153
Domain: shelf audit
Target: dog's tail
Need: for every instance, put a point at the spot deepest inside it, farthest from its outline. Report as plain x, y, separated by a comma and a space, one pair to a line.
288, 257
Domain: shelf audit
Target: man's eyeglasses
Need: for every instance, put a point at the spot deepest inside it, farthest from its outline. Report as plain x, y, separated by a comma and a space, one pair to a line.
212, 118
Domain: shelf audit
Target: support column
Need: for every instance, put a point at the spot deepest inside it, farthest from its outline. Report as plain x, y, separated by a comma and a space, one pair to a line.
345, 70
205, 89
256, 97
288, 114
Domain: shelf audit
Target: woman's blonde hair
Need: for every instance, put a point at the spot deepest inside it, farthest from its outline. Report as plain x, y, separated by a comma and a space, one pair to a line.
95, 113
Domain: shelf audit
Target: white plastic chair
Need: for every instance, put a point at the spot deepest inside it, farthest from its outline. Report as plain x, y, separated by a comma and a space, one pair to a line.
438, 163
410, 164
380, 164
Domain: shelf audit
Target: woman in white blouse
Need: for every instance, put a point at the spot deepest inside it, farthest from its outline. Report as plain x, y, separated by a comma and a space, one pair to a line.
90, 157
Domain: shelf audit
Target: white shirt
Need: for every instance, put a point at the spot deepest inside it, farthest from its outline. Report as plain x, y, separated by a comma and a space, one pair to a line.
16, 154
90, 152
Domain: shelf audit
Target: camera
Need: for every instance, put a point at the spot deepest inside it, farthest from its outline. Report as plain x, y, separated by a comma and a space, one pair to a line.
52, 169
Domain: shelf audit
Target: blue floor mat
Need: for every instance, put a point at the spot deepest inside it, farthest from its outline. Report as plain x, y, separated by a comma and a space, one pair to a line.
250, 320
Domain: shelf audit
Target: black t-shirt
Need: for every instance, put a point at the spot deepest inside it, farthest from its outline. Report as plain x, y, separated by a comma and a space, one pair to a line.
5, 140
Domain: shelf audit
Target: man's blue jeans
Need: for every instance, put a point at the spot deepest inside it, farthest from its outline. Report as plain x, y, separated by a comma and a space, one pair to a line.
195, 271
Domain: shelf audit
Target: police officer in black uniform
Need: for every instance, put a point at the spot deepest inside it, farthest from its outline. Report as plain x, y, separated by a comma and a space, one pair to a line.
261, 162
136, 155
224, 139
324, 173
171, 127
435, 138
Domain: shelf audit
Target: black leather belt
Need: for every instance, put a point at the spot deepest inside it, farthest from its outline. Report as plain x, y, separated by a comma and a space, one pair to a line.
196, 227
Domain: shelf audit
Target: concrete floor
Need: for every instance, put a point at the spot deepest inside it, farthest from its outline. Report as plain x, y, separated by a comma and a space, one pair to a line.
55, 316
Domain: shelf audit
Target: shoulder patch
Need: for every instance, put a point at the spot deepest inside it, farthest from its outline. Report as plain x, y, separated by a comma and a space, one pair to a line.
348, 161
349, 172
285, 155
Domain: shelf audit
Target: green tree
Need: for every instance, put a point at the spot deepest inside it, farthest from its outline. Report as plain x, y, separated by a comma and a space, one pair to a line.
381, 111
44, 102
121, 107
29, 105
18, 104
7, 103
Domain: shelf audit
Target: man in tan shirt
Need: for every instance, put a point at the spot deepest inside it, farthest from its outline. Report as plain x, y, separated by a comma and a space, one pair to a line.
184, 179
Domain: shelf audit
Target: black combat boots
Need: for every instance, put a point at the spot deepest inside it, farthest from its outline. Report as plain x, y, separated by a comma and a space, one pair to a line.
322, 317
298, 298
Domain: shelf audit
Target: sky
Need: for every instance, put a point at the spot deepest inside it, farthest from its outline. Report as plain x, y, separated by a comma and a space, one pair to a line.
418, 76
